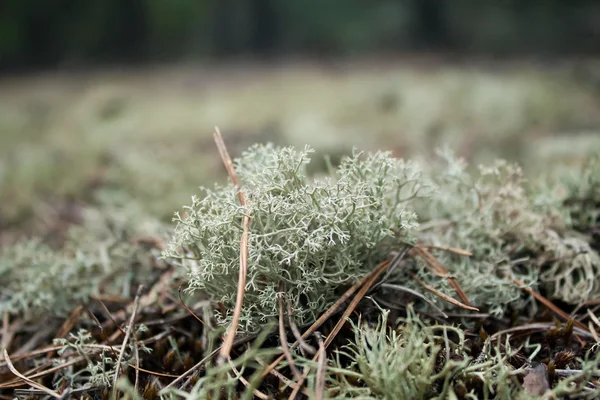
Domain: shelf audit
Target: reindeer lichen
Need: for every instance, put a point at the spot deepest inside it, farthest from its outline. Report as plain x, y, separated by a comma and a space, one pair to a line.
314, 235
99, 255
510, 229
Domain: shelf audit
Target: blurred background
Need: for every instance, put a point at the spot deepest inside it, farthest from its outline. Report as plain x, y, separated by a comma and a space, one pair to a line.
111, 103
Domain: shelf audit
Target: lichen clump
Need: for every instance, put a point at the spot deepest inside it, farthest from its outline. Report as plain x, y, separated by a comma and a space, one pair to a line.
313, 236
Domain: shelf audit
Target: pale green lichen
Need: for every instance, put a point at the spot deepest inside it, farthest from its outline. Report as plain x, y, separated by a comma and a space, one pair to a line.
418, 360
314, 235
99, 256
401, 363
509, 228
413, 359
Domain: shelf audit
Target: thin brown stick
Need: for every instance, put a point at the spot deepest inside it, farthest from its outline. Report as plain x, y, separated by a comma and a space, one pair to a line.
414, 293
537, 326
359, 296
104, 335
241, 288
454, 250
584, 304
13, 384
228, 164
336, 329
188, 309
321, 367
443, 296
136, 304
440, 269
138, 368
545, 302
70, 322
283, 339
32, 353
32, 383
109, 315
328, 313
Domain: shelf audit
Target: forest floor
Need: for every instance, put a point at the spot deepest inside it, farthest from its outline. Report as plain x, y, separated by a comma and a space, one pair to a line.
94, 164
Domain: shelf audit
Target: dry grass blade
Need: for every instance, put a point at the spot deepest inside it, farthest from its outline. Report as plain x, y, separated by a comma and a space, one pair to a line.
283, 340
109, 315
104, 335
414, 293
228, 164
230, 336
441, 270
188, 309
593, 317
138, 368
593, 331
546, 302
454, 250
539, 327
136, 304
321, 368
443, 296
14, 384
70, 322
328, 313
359, 296
32, 383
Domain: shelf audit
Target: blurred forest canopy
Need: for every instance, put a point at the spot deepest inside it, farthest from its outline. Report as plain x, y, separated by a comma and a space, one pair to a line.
46, 33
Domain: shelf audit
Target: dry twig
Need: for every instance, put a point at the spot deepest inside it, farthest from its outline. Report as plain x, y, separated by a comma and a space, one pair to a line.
443, 296
414, 293
136, 304
230, 336
70, 322
188, 309
32, 383
453, 250
546, 302
321, 367
442, 271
